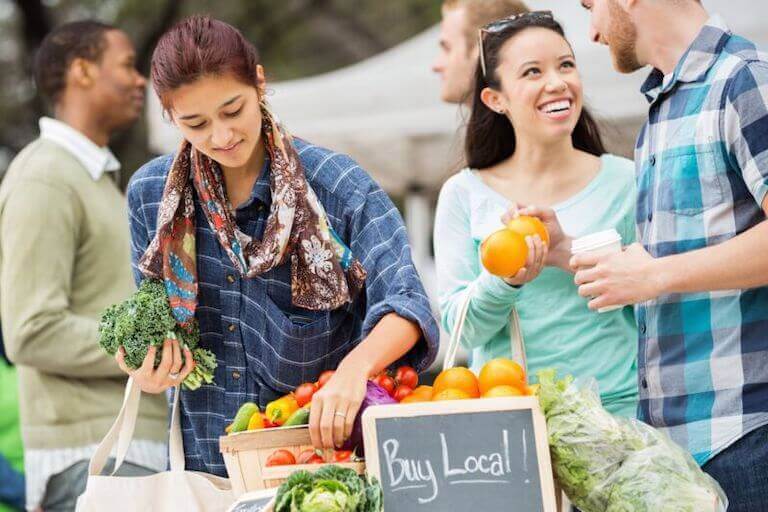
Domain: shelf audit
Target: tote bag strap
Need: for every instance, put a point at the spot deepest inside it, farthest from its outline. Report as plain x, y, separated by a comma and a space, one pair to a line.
175, 440
517, 344
121, 433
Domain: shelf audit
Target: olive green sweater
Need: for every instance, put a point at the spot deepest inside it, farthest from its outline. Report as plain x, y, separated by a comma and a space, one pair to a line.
64, 257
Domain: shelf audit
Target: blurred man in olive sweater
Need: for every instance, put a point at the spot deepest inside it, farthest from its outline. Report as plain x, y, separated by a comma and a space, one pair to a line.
65, 257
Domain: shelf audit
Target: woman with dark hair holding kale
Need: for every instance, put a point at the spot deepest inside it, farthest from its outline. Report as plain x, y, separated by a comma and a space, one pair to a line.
292, 260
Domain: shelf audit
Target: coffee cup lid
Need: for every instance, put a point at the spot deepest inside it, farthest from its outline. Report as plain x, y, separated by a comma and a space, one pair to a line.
595, 240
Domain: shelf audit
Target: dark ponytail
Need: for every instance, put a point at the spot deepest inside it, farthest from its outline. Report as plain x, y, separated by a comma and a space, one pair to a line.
490, 136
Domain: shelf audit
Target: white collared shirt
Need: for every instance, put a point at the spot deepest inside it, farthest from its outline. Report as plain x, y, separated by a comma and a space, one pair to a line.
97, 160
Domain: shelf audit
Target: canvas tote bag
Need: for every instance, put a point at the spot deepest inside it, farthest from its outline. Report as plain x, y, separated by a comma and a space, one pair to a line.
173, 490
518, 354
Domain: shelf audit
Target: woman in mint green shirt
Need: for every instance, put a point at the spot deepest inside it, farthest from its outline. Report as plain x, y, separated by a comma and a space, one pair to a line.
530, 142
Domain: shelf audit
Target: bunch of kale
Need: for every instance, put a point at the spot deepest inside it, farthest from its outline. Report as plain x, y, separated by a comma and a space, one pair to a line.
146, 319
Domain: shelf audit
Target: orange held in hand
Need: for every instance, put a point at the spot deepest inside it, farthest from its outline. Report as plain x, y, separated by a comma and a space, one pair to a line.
458, 378
500, 372
529, 226
504, 253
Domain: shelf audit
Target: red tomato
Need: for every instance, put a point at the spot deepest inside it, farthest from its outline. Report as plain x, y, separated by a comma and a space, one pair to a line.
281, 458
304, 393
407, 376
324, 378
401, 392
310, 456
342, 455
386, 382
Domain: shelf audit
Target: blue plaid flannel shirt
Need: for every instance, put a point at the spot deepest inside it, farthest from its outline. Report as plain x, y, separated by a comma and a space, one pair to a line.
702, 174
264, 345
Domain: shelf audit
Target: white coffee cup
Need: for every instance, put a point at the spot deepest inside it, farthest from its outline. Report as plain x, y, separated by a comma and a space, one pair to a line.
602, 242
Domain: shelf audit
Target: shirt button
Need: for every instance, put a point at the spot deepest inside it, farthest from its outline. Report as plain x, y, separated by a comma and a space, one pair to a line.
650, 217
235, 375
644, 383
642, 328
231, 328
653, 160
231, 278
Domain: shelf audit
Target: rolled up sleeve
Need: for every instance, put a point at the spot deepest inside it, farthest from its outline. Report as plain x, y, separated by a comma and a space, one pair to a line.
380, 242
745, 126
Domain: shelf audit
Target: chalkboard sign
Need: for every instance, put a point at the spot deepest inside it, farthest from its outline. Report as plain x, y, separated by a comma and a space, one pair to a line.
465, 455
257, 501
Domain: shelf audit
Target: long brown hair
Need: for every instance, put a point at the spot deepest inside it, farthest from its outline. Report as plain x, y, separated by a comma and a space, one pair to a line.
490, 136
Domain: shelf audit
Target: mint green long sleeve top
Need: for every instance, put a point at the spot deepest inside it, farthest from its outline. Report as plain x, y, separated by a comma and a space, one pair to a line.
558, 328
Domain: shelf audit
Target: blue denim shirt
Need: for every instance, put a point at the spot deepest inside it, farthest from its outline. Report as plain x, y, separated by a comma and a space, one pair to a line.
264, 345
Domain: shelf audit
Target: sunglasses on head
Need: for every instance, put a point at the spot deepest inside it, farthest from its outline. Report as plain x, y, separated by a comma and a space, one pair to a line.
502, 24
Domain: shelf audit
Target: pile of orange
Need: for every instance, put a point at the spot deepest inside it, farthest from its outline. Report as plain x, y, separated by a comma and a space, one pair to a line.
498, 378
504, 252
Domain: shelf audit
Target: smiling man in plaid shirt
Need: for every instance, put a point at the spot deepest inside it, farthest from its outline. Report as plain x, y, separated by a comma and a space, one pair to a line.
699, 275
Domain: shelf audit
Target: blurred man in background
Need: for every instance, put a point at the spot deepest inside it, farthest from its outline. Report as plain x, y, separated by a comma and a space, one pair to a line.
459, 52
65, 257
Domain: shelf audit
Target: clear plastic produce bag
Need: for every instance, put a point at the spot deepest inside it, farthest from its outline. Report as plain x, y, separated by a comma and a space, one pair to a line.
609, 464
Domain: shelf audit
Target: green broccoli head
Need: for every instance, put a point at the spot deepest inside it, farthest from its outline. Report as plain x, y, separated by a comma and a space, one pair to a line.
146, 319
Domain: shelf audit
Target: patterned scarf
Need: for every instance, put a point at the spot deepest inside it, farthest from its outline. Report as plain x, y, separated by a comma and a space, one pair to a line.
324, 274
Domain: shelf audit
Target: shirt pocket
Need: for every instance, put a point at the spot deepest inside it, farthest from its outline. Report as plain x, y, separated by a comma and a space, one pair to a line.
690, 181
294, 348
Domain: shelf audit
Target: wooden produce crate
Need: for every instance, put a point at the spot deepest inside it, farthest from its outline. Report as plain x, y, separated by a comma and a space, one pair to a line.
245, 455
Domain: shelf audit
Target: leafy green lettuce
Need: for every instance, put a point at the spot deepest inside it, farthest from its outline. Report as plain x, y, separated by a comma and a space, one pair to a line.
610, 464
330, 489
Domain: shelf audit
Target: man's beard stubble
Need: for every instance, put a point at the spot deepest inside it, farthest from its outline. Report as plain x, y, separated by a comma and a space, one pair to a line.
622, 38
